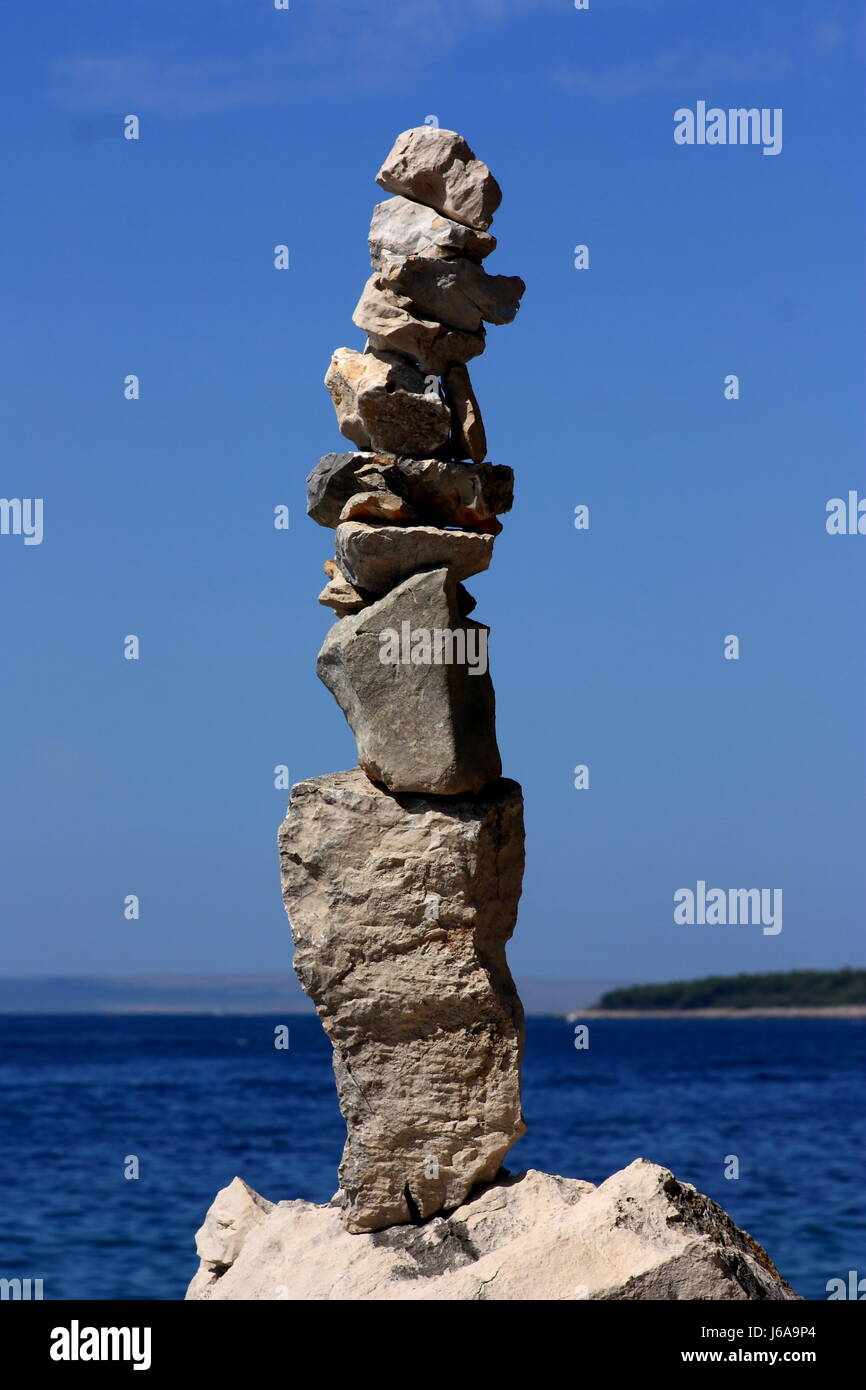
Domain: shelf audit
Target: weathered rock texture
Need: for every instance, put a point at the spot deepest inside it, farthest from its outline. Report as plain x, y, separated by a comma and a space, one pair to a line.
441, 492
437, 168
384, 402
393, 324
457, 292
403, 228
642, 1235
468, 436
379, 557
339, 594
422, 725
400, 909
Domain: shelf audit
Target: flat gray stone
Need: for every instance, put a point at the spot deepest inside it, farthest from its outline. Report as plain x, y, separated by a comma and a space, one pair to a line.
424, 718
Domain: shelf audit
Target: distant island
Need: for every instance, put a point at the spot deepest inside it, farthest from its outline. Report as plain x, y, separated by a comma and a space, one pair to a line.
842, 991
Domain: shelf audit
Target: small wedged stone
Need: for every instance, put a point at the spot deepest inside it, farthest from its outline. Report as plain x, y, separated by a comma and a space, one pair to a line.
400, 909
437, 168
385, 403
468, 437
401, 227
339, 594
392, 326
378, 507
376, 558
411, 676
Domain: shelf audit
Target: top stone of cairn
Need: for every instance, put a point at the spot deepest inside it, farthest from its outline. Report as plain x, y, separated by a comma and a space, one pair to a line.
437, 168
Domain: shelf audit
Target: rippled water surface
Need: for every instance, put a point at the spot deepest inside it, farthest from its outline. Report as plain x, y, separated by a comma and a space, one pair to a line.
198, 1100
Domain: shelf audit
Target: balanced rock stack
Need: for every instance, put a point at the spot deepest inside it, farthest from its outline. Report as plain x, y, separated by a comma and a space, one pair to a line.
401, 877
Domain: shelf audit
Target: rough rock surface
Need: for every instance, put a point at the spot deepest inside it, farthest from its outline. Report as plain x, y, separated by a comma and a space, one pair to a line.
335, 479
459, 292
468, 438
640, 1236
392, 326
401, 227
400, 908
424, 724
437, 168
339, 594
378, 557
383, 403
378, 506
442, 492
458, 494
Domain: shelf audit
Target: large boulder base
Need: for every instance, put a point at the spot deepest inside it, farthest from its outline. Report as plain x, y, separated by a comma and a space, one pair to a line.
400, 909
641, 1236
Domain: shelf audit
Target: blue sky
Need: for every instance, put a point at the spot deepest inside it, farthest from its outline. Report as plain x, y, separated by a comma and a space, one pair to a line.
707, 516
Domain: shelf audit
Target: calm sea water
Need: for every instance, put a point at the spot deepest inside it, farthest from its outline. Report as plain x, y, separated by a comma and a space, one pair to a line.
198, 1100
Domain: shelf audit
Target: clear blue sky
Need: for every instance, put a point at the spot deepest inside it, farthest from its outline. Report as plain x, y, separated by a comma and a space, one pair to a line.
707, 516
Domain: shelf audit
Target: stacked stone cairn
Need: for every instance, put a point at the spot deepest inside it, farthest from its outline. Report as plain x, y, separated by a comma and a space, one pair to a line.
401, 877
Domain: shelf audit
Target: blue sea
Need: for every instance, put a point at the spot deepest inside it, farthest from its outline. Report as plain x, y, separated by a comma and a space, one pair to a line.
199, 1099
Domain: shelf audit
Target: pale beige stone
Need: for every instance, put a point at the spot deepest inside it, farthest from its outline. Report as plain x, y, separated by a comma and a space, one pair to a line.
376, 558
400, 908
377, 506
458, 293
401, 227
437, 168
236, 1210
339, 594
393, 325
641, 1236
468, 436
383, 402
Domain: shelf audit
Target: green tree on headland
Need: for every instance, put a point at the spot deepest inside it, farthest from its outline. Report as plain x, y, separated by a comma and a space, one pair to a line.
788, 989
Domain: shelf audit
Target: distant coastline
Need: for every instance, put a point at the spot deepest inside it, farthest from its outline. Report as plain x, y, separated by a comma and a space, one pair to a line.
237, 995
794, 1011
780, 994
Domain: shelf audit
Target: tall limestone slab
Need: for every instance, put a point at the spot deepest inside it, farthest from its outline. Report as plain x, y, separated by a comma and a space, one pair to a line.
401, 907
